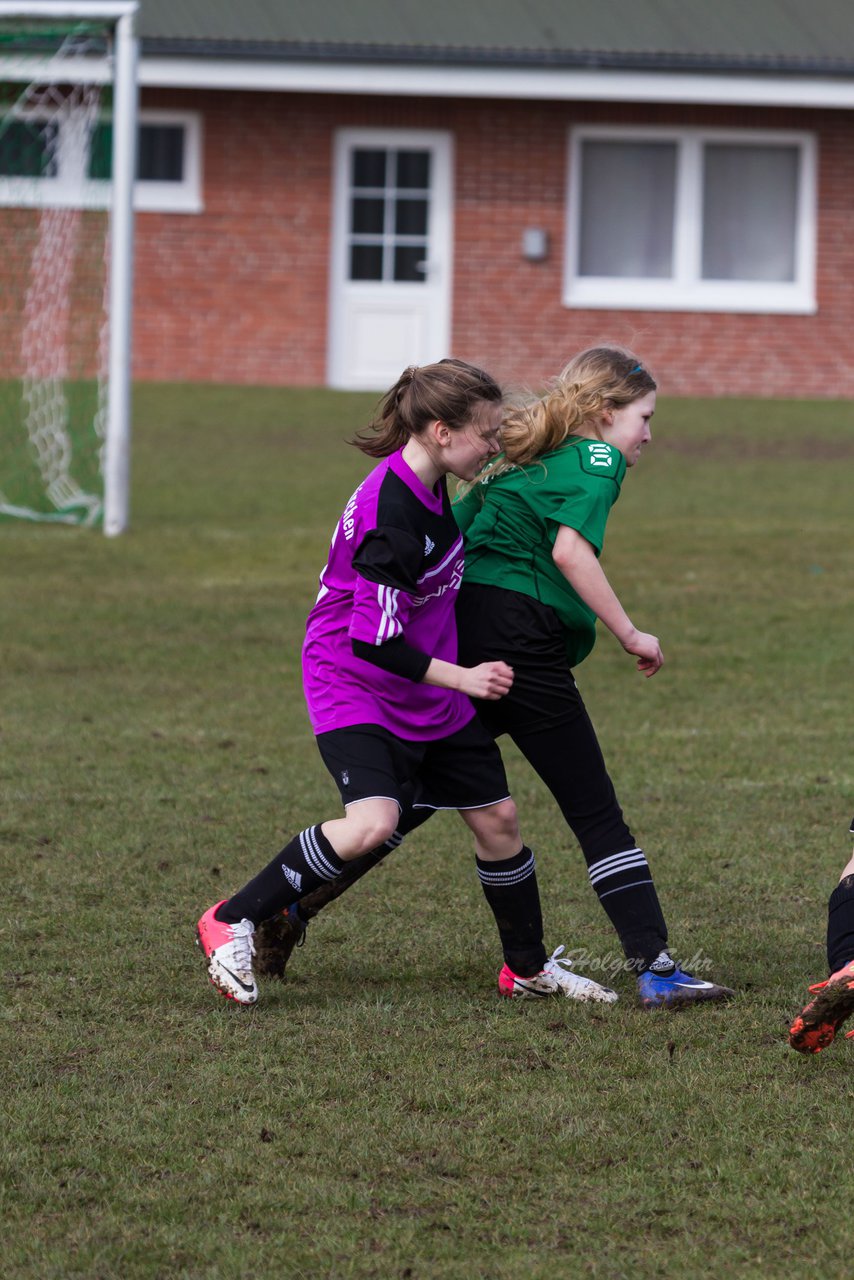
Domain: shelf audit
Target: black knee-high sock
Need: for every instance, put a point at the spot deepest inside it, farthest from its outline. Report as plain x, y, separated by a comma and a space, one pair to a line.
311, 903
840, 924
569, 760
308, 861
510, 888
624, 885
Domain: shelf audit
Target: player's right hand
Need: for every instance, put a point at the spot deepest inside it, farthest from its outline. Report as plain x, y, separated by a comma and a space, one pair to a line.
489, 680
647, 650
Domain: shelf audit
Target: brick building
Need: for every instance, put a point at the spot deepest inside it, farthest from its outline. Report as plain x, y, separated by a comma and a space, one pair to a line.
331, 191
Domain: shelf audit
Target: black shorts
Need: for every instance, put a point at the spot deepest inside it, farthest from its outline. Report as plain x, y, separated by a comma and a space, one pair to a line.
463, 771
496, 624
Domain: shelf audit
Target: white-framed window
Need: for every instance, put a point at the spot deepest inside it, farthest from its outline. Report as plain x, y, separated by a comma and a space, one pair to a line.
55, 165
691, 219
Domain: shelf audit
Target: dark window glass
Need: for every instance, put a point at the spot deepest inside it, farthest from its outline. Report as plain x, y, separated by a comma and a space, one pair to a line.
411, 218
366, 262
25, 150
367, 216
413, 169
369, 168
101, 151
161, 153
409, 262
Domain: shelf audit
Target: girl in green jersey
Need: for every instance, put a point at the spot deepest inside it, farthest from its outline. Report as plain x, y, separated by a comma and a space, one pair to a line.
534, 524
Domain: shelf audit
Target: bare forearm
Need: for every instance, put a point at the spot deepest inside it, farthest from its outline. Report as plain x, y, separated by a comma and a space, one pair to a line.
489, 680
575, 558
578, 563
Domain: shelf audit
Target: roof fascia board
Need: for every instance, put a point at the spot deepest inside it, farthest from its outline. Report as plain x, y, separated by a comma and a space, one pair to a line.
107, 9
489, 82
469, 82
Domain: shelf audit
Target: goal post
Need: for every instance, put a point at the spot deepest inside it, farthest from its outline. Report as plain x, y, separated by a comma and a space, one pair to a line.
68, 131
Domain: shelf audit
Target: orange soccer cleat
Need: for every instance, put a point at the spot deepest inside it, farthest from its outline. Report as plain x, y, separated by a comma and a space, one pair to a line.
818, 1022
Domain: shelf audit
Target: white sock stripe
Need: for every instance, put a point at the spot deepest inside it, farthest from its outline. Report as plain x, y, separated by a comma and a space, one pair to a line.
612, 857
501, 882
620, 887
507, 877
629, 864
315, 856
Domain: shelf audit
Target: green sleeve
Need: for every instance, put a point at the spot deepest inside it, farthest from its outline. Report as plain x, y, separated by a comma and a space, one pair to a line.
466, 506
587, 510
589, 488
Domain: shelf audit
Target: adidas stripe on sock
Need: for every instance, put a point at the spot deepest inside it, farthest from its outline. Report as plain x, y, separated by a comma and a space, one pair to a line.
623, 882
304, 864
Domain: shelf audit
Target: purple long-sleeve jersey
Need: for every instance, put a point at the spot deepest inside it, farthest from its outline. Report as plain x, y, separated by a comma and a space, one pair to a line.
394, 569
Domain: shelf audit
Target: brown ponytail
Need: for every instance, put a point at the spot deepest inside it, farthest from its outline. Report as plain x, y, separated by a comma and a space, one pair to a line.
449, 391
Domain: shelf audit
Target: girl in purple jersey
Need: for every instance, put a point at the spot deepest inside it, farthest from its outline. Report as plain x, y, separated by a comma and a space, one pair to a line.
388, 701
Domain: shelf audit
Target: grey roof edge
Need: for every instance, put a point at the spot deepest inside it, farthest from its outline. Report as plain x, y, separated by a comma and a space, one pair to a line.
586, 59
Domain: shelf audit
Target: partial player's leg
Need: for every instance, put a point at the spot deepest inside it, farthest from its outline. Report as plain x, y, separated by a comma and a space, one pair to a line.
816, 1025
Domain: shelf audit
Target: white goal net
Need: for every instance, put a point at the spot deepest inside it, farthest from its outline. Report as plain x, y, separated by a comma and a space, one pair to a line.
62, 440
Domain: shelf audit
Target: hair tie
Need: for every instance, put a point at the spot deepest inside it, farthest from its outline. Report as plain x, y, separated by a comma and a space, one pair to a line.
637, 369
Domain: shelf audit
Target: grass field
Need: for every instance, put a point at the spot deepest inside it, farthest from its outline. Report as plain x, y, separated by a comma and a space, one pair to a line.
381, 1114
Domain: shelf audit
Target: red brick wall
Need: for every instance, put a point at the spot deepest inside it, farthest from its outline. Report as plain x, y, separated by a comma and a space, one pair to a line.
239, 292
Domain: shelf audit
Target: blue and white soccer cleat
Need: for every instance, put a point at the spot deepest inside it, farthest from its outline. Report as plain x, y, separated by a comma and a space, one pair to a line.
665, 986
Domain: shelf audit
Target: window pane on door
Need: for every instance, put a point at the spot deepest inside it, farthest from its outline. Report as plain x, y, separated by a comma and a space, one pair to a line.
367, 216
413, 169
628, 192
411, 218
366, 262
409, 261
750, 206
369, 168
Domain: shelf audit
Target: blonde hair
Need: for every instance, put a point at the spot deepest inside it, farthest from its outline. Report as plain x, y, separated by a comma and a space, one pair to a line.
449, 391
597, 379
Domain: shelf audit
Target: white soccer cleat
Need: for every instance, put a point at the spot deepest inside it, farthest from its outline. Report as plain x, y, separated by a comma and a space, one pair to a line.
554, 979
229, 950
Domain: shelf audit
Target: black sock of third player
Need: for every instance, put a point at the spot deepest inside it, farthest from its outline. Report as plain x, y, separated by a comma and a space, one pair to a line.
840, 924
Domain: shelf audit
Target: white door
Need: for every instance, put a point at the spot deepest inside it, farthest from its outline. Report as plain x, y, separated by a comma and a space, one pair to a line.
390, 298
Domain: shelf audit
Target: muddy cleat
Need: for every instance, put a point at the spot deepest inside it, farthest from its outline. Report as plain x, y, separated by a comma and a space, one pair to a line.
229, 950
554, 979
818, 1022
665, 986
275, 940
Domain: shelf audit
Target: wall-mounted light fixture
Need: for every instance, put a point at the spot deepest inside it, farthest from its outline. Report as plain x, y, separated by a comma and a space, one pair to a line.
535, 244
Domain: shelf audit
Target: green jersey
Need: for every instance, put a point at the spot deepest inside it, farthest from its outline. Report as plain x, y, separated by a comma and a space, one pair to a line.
510, 525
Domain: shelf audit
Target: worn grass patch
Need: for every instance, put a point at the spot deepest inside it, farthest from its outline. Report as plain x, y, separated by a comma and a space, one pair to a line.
381, 1114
